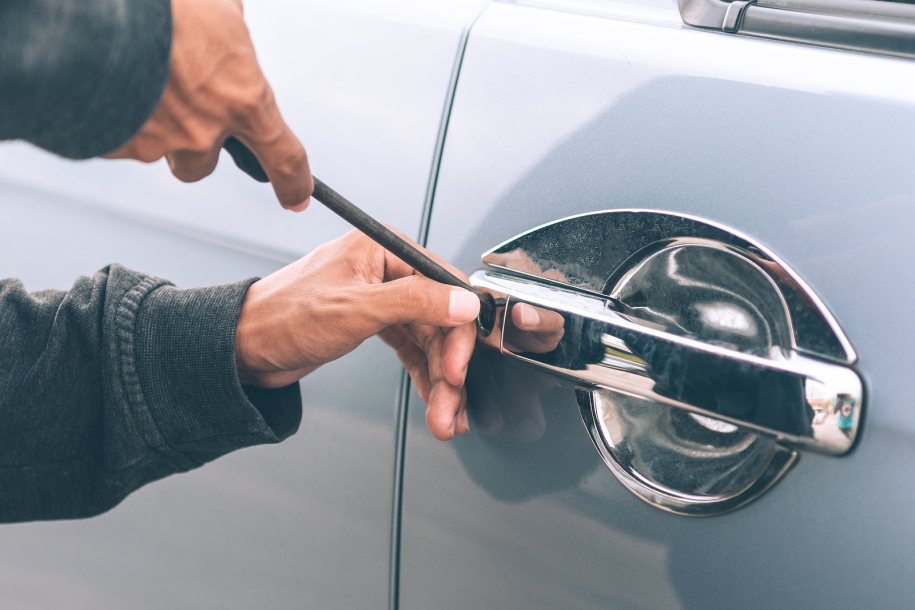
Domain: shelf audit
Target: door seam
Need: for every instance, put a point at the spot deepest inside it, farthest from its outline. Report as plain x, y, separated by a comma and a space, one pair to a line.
404, 395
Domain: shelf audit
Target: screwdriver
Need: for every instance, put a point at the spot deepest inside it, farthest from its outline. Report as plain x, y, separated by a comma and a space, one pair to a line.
380, 234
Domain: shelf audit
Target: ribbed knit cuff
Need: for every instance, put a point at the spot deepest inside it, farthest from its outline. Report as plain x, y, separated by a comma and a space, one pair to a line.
177, 359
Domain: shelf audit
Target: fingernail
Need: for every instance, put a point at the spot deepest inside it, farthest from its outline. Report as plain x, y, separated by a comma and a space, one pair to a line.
301, 207
530, 317
451, 429
466, 421
463, 305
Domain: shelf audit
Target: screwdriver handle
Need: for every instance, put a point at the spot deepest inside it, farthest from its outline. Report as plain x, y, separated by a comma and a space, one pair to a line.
380, 234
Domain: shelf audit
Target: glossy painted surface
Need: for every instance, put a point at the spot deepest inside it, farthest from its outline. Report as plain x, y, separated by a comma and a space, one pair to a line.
809, 151
306, 523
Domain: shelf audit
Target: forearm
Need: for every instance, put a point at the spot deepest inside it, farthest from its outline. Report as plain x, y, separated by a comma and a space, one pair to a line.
120, 381
80, 77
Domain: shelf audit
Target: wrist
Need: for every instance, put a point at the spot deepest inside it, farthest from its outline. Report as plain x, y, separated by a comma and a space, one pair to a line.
248, 354
262, 340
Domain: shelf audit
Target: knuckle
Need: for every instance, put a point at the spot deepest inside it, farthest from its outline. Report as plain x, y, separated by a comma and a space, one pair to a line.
365, 256
204, 142
427, 343
254, 103
148, 156
289, 167
404, 302
139, 152
364, 242
191, 167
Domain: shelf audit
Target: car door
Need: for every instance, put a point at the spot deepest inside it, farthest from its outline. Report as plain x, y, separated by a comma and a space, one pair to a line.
796, 143
306, 523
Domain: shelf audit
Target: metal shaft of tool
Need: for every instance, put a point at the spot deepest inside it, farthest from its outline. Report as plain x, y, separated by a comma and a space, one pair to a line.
392, 242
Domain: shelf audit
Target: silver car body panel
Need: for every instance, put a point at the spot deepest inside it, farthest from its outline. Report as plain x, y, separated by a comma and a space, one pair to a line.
806, 150
562, 107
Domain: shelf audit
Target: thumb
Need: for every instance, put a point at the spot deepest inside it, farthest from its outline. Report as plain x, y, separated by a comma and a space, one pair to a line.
417, 299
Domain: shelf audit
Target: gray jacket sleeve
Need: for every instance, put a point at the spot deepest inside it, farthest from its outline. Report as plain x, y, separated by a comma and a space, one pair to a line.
80, 77
121, 381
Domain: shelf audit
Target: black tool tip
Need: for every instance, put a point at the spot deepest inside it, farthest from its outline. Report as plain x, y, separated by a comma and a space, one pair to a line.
486, 321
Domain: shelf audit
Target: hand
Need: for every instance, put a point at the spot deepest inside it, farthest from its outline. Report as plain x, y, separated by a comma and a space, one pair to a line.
216, 89
533, 329
324, 305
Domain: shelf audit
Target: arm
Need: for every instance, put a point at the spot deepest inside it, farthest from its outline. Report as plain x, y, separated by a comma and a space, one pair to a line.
102, 392
144, 79
125, 379
67, 67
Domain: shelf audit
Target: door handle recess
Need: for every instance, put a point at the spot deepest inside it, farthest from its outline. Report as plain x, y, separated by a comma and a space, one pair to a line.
703, 362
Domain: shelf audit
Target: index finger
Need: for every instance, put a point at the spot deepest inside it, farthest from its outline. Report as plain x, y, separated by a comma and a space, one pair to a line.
282, 156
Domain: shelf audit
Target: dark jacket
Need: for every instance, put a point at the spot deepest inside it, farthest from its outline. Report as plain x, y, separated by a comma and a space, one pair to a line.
124, 379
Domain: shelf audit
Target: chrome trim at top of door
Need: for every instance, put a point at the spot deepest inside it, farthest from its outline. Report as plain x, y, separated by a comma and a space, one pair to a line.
851, 32
865, 8
704, 13
872, 26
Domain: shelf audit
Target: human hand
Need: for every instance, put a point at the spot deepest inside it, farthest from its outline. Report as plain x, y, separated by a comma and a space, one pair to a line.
521, 327
216, 89
327, 303
533, 329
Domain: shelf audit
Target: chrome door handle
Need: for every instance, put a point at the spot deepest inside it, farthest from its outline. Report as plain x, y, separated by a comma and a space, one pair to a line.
692, 319
603, 347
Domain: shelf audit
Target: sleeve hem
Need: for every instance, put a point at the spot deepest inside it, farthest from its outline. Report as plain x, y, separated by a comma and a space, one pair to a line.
180, 375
